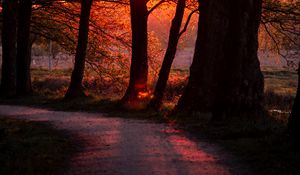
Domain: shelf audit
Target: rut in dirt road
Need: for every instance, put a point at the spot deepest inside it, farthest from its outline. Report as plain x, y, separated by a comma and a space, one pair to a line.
115, 146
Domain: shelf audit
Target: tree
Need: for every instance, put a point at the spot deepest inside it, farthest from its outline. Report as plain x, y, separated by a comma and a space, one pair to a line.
169, 55
174, 37
139, 59
294, 119
225, 76
9, 50
75, 88
109, 37
24, 48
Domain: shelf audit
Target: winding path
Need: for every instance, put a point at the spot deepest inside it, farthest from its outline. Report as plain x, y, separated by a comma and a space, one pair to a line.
116, 146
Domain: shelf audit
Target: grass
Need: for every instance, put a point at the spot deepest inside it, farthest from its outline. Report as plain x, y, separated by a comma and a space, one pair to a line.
32, 148
281, 82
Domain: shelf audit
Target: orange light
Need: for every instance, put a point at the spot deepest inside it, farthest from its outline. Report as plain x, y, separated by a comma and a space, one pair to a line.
144, 95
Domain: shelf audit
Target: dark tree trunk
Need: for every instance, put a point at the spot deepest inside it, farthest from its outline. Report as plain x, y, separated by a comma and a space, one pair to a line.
225, 76
169, 56
294, 119
75, 89
9, 49
139, 60
24, 48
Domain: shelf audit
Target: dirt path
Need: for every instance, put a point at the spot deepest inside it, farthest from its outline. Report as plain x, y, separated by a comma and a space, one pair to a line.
115, 146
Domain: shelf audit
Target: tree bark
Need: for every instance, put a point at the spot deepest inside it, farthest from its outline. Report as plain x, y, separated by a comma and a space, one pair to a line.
75, 89
24, 48
139, 59
225, 76
169, 56
294, 119
9, 49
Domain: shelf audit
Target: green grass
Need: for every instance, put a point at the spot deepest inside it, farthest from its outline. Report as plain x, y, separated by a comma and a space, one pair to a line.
32, 148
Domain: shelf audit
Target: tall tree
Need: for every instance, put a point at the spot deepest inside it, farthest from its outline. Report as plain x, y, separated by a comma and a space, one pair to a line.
294, 119
75, 89
9, 50
24, 48
169, 55
139, 59
225, 76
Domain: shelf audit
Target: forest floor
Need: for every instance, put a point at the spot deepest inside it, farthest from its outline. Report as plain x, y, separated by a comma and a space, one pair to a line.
127, 146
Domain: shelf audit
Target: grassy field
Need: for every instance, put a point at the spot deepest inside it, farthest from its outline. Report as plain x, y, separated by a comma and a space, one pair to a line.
32, 148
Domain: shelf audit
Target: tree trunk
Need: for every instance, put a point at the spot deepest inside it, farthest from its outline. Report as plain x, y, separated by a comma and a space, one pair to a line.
294, 119
75, 89
24, 48
139, 60
169, 56
9, 49
225, 76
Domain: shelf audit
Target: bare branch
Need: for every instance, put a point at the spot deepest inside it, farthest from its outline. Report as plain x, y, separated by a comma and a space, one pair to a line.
187, 22
155, 6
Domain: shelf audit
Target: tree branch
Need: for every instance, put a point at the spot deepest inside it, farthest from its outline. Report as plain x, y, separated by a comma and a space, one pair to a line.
187, 22
155, 6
